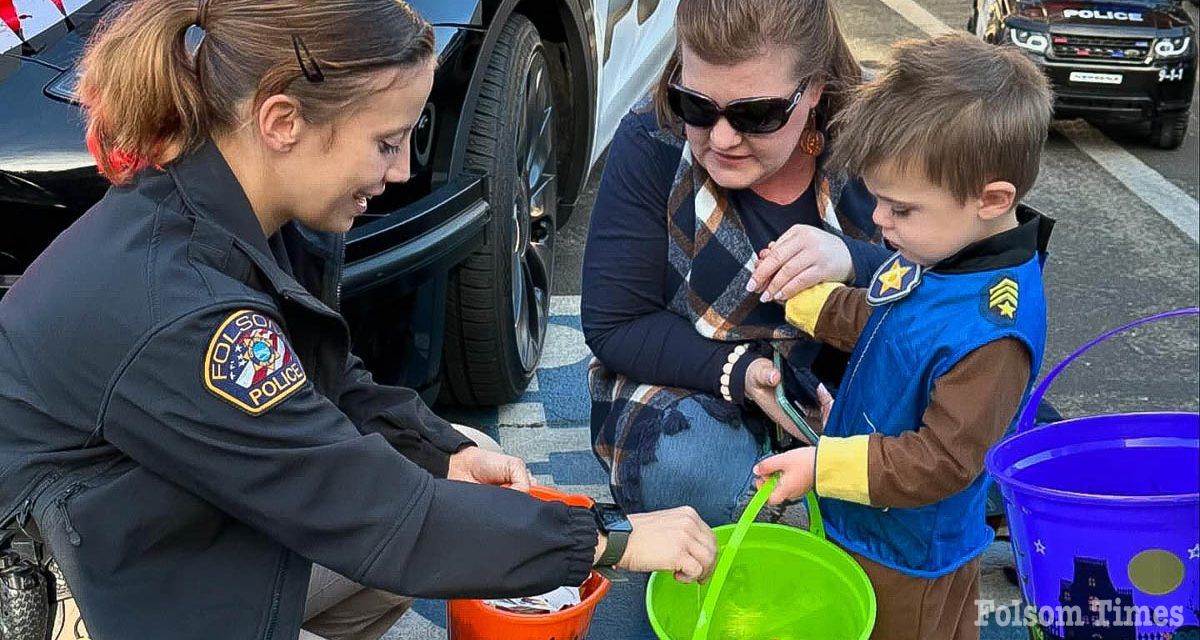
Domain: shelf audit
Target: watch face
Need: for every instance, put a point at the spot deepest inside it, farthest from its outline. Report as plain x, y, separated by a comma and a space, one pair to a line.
612, 517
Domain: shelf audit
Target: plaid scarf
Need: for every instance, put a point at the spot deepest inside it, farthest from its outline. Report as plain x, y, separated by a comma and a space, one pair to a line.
710, 252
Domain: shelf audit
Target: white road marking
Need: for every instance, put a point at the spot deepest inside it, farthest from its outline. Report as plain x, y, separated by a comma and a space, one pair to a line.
919, 16
564, 305
522, 414
1168, 200
536, 445
564, 346
869, 53
1151, 187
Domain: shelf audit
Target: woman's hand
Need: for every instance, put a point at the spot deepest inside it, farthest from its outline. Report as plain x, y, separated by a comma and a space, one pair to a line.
674, 540
761, 380
480, 466
798, 471
802, 257
826, 401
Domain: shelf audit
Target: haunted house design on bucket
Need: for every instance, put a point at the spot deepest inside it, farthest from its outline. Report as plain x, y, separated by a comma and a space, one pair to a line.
1087, 592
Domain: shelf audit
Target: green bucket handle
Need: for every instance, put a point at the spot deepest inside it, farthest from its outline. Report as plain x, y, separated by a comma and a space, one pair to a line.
816, 525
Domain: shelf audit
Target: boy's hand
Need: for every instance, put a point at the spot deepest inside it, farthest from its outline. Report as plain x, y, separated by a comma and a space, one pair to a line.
802, 257
798, 469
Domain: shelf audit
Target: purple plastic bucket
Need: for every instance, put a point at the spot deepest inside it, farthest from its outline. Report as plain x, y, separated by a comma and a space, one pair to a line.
1104, 513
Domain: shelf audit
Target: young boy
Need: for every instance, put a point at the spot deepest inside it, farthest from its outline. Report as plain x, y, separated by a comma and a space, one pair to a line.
949, 337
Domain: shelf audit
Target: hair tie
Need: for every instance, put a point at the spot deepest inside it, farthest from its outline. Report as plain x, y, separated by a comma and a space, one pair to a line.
192, 39
195, 34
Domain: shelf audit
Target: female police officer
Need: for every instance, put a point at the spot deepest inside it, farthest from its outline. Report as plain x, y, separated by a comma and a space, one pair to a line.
179, 410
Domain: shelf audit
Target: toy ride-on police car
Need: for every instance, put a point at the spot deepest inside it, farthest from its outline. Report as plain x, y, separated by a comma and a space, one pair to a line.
1132, 61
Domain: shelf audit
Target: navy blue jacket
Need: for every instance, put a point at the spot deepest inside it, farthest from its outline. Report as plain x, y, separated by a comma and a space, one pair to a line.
627, 282
181, 489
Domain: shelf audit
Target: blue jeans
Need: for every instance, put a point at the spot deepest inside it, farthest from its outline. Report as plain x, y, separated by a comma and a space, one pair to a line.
706, 466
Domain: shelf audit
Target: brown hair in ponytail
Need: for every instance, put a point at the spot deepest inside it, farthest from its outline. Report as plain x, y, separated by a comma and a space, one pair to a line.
148, 101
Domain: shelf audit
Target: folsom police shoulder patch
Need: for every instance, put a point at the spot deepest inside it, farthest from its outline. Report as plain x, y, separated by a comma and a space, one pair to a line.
250, 364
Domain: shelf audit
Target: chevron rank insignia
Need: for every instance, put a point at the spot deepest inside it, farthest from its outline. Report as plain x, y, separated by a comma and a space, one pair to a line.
1002, 299
895, 279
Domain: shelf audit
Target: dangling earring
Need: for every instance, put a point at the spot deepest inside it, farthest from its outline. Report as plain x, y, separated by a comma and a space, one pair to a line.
812, 141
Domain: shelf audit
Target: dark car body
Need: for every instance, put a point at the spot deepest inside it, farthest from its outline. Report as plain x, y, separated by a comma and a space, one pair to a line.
1113, 61
400, 254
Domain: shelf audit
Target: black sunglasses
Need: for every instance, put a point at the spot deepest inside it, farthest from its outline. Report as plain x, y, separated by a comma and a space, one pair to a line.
747, 115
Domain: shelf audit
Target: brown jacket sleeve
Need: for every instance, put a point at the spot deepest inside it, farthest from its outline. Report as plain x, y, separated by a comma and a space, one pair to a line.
830, 312
945, 455
842, 318
970, 408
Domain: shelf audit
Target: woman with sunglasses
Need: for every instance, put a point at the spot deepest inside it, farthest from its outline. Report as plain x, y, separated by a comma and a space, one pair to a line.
723, 162
180, 413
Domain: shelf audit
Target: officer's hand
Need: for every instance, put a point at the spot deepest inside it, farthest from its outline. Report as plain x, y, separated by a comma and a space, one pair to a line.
674, 540
480, 466
803, 256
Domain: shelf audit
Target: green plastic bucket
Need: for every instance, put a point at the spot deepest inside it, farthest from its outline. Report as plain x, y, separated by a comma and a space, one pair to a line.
785, 584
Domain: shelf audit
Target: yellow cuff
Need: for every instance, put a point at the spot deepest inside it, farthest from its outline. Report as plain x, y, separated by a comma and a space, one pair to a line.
842, 469
805, 307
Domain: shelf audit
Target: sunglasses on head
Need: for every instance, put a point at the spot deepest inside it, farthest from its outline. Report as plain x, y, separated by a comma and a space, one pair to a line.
747, 115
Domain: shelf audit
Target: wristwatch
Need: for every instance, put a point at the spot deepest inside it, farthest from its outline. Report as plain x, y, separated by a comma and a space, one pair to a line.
611, 521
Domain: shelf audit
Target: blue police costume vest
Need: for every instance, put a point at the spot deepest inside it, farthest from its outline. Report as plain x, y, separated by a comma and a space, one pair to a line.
924, 324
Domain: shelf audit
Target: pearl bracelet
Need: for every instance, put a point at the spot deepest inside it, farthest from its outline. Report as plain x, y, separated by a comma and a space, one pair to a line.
727, 370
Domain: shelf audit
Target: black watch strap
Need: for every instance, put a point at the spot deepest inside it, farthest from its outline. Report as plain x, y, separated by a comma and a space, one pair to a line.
613, 523
614, 550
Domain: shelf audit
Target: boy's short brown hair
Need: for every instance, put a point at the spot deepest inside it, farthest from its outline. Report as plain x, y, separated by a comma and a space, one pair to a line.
964, 112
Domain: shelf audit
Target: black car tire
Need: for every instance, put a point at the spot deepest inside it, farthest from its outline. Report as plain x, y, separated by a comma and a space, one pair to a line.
499, 298
1168, 131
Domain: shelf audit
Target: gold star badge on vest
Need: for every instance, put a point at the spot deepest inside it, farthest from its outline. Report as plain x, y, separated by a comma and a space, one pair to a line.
895, 279
1002, 298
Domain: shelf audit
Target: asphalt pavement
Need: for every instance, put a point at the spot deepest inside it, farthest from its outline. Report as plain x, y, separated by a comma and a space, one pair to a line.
1124, 248
1113, 257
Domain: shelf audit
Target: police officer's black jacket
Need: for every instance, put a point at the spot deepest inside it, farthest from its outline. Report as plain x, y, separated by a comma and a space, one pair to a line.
182, 504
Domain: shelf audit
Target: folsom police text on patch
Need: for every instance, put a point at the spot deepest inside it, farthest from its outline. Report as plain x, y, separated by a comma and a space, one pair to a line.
250, 364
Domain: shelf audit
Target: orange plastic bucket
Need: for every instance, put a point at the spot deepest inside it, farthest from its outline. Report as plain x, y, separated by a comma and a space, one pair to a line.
474, 620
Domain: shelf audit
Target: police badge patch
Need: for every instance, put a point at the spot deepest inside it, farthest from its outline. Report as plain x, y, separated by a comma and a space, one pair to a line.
250, 363
894, 279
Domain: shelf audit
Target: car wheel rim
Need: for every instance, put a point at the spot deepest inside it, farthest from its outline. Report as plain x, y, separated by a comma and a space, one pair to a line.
533, 215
